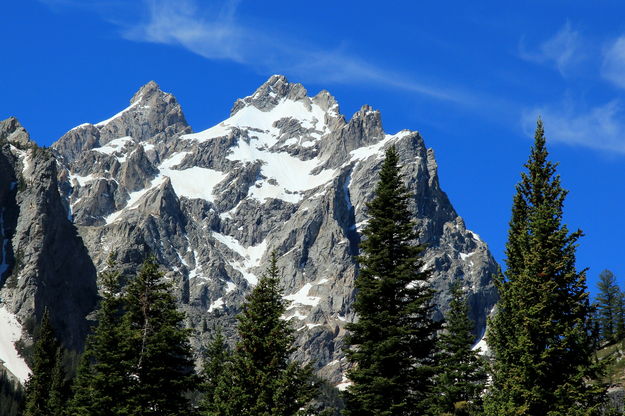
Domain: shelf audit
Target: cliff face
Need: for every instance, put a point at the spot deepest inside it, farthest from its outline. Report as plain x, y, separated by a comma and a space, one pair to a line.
285, 172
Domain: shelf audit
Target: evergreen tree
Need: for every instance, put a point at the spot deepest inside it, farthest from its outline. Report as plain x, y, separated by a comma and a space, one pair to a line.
620, 316
392, 343
11, 395
461, 375
541, 335
137, 361
608, 305
58, 387
101, 384
261, 380
162, 368
217, 367
42, 385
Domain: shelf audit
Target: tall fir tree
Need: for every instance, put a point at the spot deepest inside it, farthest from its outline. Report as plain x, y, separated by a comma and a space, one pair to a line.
620, 316
461, 375
261, 379
162, 367
101, 385
391, 345
216, 369
541, 336
44, 391
137, 361
608, 303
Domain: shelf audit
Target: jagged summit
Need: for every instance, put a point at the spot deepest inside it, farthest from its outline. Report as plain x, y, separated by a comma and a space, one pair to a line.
12, 131
147, 91
151, 113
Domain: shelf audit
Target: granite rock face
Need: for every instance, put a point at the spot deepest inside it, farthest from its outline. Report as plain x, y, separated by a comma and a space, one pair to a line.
285, 172
45, 263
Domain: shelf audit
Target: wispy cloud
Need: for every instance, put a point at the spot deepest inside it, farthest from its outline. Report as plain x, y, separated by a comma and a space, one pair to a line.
601, 127
213, 30
563, 50
613, 65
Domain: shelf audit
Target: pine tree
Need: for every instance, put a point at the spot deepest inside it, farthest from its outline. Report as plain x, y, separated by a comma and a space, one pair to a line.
262, 380
58, 387
162, 368
392, 343
620, 316
608, 303
137, 361
101, 384
461, 375
40, 387
540, 336
217, 367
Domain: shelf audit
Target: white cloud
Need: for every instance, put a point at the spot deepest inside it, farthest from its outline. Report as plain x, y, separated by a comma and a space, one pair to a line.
601, 127
613, 66
563, 50
212, 30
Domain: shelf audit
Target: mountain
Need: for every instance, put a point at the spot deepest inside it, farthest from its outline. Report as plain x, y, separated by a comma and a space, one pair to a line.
285, 172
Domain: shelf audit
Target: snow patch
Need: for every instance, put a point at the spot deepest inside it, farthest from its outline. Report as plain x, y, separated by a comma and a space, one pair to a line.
115, 146
286, 176
192, 183
481, 347
250, 256
301, 297
108, 120
218, 304
366, 152
11, 331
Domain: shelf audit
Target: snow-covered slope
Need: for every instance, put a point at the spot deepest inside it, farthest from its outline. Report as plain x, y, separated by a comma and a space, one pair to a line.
10, 333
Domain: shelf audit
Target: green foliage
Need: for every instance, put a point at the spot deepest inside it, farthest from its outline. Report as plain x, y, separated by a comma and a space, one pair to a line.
392, 343
45, 391
138, 360
461, 375
541, 337
11, 396
101, 384
258, 378
158, 344
609, 303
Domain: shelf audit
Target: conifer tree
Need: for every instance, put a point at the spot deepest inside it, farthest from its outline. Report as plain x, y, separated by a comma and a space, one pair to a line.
58, 387
540, 336
162, 368
262, 380
461, 373
392, 343
609, 302
217, 367
137, 361
40, 387
620, 316
101, 384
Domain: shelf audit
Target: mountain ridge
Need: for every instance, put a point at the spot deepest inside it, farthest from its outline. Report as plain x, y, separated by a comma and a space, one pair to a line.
284, 172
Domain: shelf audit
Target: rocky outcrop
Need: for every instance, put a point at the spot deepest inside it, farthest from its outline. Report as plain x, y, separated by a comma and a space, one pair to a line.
44, 261
286, 172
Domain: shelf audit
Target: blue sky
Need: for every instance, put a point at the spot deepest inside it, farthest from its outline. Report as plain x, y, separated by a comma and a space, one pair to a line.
472, 78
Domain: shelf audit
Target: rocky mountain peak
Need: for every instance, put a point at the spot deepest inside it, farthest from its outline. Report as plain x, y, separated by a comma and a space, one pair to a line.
12, 131
271, 93
147, 91
153, 115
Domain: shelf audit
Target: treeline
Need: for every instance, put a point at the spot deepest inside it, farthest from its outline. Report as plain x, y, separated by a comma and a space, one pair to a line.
541, 339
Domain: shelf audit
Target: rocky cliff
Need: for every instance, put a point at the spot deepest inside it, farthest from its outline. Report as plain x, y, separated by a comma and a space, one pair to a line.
285, 171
